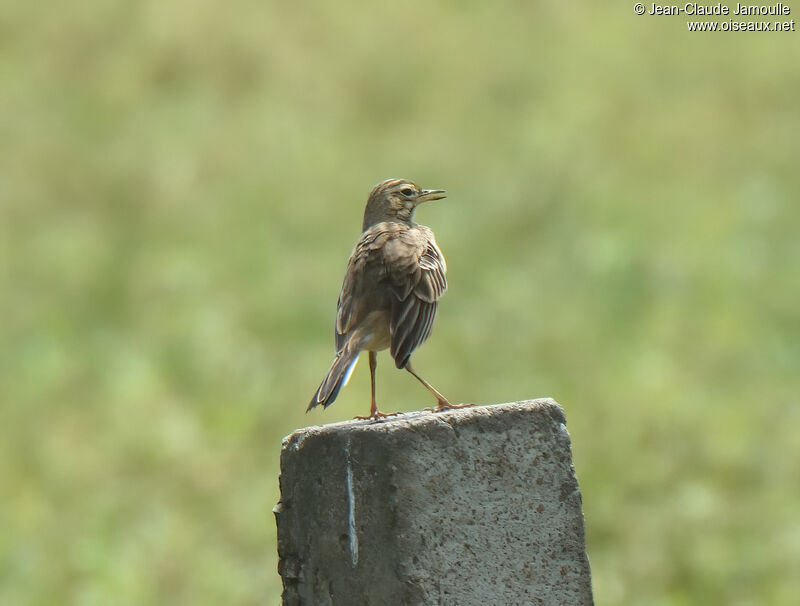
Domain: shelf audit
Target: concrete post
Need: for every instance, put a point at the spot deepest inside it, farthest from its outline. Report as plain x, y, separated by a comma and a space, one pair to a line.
471, 506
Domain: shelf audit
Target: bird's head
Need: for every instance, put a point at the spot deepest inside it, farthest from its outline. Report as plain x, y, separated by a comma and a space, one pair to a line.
395, 200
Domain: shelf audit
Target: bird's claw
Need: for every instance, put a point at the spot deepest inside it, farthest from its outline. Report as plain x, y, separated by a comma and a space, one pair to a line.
376, 416
441, 406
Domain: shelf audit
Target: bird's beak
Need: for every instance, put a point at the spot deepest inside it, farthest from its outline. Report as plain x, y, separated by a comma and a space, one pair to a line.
430, 194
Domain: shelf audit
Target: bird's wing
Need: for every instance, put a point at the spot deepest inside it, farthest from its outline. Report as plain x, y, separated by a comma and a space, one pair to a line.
415, 269
365, 272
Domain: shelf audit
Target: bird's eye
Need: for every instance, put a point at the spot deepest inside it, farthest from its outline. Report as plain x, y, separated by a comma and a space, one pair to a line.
407, 191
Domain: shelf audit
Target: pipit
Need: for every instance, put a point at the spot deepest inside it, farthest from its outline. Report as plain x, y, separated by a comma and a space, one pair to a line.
391, 289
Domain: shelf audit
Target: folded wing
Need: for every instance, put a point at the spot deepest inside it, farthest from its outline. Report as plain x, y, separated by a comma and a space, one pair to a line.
416, 271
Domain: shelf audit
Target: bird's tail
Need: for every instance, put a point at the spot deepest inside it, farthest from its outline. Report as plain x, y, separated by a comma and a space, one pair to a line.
337, 377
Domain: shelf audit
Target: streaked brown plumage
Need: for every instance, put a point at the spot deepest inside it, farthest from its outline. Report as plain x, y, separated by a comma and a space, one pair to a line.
393, 282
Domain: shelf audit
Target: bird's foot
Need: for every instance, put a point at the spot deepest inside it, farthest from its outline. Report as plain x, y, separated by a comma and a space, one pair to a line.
445, 405
375, 415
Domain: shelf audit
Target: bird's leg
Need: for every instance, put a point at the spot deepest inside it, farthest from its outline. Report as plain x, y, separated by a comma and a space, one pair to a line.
373, 409
442, 402
373, 364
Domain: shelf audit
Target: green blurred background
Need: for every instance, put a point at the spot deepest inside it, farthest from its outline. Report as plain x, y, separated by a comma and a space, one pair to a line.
181, 184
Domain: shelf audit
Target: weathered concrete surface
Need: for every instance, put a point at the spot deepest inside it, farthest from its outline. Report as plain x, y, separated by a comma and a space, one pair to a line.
472, 506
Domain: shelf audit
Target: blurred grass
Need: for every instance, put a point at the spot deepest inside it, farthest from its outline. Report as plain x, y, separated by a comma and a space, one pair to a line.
180, 186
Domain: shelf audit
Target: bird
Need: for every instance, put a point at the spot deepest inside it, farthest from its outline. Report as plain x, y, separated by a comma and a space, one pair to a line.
394, 279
